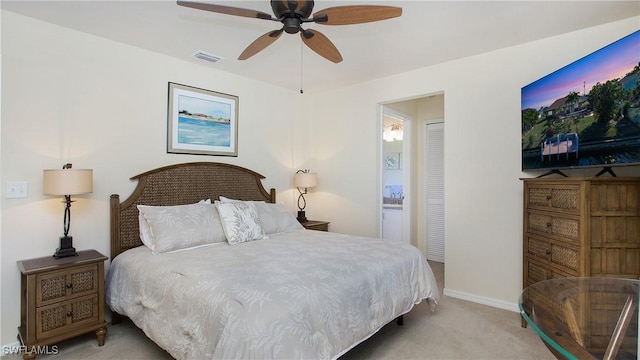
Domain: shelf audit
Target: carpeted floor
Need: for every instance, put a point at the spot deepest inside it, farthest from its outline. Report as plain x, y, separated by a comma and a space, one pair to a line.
458, 329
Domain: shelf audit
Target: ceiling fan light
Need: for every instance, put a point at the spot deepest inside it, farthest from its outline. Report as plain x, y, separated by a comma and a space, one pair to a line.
203, 55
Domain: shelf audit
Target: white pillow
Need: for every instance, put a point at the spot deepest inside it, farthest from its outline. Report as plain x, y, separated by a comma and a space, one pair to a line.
182, 226
275, 218
240, 221
228, 200
145, 232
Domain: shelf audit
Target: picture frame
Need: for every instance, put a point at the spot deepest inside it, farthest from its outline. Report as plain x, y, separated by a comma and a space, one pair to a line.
392, 161
201, 122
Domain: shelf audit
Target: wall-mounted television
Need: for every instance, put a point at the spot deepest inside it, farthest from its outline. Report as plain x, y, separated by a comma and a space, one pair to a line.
586, 114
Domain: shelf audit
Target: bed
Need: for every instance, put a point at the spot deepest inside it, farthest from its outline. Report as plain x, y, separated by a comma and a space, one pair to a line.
275, 291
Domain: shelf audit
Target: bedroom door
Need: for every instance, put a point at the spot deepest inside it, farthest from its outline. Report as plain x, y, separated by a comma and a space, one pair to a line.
434, 191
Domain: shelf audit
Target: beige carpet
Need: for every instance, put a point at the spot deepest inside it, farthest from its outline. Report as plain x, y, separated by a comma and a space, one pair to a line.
458, 329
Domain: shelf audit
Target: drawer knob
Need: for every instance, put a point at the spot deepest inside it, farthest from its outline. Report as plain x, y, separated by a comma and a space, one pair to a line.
69, 285
548, 252
548, 224
69, 314
548, 197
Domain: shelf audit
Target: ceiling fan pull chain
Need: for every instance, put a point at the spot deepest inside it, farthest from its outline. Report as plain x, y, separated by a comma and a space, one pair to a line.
301, 72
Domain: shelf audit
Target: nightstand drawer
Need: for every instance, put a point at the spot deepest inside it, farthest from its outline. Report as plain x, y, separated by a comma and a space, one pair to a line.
64, 316
61, 285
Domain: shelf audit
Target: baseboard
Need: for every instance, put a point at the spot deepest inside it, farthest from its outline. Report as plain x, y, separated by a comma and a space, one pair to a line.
482, 300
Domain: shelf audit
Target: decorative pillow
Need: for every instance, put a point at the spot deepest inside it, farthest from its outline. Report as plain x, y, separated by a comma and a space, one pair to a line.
182, 226
275, 218
240, 221
145, 232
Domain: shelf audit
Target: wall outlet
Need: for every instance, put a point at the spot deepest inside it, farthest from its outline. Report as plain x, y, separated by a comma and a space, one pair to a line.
16, 190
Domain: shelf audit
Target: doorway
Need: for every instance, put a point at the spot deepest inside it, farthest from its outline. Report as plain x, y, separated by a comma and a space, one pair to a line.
417, 113
396, 175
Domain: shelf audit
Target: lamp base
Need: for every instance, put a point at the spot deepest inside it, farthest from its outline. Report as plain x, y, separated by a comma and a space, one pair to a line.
301, 216
66, 248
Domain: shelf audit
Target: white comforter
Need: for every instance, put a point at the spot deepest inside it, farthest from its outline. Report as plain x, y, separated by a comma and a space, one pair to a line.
300, 294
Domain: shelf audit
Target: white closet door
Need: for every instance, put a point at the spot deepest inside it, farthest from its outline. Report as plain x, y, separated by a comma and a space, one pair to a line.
434, 167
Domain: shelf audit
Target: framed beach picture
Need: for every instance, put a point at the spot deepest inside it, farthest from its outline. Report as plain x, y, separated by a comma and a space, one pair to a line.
201, 122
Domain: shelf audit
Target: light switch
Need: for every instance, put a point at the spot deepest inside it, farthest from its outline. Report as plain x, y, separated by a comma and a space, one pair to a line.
16, 190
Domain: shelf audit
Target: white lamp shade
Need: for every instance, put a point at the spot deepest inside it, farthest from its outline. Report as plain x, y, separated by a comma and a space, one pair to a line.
305, 180
67, 181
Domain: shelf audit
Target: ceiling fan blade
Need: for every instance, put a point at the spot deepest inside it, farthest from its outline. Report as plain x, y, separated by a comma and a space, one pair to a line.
319, 43
260, 43
229, 10
356, 14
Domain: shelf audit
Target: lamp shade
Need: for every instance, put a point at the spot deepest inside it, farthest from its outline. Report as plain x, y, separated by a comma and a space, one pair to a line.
305, 180
67, 181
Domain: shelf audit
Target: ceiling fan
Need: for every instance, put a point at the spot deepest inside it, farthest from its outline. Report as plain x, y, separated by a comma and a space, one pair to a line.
292, 14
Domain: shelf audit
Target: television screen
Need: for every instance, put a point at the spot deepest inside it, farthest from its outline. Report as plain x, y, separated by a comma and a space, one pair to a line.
586, 114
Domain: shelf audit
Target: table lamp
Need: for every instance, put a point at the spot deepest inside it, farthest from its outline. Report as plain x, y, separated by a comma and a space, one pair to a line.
303, 179
66, 182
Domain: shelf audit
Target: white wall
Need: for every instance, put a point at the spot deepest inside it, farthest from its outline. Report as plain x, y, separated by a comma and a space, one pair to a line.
483, 192
73, 97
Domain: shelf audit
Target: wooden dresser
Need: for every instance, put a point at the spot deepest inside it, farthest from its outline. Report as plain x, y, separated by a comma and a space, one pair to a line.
581, 227
61, 299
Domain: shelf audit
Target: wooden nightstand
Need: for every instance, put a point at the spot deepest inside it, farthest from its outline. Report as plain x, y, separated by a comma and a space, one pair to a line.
61, 299
316, 225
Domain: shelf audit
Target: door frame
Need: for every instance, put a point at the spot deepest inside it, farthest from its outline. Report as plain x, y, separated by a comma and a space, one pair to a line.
407, 122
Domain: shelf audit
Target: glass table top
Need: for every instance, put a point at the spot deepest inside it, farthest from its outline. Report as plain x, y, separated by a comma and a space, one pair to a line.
584, 318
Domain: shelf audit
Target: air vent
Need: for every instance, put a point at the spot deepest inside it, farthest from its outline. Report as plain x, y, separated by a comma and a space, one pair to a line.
206, 56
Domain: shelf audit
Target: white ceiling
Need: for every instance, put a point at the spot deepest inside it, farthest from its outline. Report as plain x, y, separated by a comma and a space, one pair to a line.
427, 33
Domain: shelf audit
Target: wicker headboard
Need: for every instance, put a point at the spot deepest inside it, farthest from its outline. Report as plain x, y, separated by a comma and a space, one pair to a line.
180, 184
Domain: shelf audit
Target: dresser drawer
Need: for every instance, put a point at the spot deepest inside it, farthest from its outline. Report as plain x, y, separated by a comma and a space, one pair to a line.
552, 197
538, 247
566, 257
549, 252
563, 228
539, 271
63, 316
62, 285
